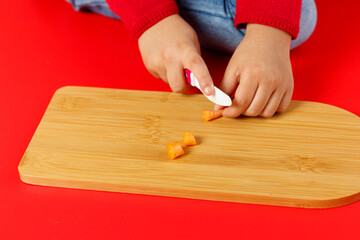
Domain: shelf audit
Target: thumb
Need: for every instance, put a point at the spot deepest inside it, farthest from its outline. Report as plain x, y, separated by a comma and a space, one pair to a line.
197, 65
230, 81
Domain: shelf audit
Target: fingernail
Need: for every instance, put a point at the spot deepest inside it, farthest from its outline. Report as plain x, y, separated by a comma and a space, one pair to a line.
217, 107
207, 90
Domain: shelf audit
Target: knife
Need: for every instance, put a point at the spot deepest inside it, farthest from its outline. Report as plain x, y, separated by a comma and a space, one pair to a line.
219, 97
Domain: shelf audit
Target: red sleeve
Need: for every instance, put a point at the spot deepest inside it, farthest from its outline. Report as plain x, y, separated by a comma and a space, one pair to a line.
139, 15
282, 14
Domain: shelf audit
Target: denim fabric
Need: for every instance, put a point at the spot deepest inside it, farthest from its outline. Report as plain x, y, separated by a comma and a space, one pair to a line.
96, 6
213, 20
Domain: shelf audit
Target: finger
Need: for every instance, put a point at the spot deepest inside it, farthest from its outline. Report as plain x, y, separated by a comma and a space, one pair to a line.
243, 97
272, 104
157, 75
196, 64
259, 102
217, 107
285, 101
176, 78
230, 81
156, 68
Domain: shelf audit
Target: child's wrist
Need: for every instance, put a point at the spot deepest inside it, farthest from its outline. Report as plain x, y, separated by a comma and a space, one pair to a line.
263, 34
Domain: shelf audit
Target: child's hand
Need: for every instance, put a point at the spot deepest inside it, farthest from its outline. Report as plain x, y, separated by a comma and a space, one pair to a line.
170, 46
259, 73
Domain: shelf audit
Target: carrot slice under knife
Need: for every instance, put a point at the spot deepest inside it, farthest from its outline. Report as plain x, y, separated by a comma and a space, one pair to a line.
211, 115
174, 150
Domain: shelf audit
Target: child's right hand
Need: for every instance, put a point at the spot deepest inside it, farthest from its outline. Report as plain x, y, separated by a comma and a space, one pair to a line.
170, 46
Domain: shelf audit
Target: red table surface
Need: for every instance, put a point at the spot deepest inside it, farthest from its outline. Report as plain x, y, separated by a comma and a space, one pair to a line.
45, 45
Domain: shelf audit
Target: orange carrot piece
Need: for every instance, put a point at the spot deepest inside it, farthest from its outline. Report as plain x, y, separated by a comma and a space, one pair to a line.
211, 115
174, 150
189, 139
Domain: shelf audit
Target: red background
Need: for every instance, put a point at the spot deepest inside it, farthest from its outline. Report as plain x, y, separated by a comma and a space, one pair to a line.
45, 45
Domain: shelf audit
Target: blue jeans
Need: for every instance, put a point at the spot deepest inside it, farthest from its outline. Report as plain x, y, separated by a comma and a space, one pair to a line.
213, 20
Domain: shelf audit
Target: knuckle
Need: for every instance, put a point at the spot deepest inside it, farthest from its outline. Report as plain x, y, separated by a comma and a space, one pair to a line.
251, 113
270, 78
272, 81
255, 71
167, 54
195, 60
243, 101
154, 64
182, 46
254, 74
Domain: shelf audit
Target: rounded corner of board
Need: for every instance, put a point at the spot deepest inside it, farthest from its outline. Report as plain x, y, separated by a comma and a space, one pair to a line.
24, 173
332, 202
63, 89
336, 108
23, 177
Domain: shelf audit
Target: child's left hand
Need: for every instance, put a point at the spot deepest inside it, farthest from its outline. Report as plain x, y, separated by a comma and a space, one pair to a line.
259, 73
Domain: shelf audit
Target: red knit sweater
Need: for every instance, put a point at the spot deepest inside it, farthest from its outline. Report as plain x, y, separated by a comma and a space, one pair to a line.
139, 15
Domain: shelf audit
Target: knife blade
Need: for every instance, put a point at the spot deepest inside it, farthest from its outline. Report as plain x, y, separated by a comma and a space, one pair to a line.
219, 97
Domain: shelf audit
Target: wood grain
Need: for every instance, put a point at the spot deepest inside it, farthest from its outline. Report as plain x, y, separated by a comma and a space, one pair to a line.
114, 140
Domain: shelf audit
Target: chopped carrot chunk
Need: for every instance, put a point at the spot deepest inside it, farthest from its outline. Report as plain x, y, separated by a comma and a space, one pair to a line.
211, 115
174, 150
189, 139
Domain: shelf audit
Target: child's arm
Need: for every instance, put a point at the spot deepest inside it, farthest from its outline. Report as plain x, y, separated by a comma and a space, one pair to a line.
281, 14
259, 73
140, 15
170, 46
167, 43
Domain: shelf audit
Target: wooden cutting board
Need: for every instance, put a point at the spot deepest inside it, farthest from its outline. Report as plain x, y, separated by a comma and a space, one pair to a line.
114, 140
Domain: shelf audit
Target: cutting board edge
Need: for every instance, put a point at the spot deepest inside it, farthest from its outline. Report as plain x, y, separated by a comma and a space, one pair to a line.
69, 87
66, 88
189, 194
